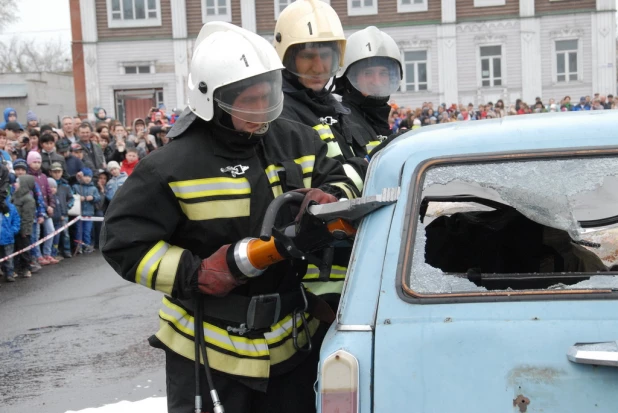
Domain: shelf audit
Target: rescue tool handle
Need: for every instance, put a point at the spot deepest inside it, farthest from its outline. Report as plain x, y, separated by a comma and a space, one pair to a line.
273, 210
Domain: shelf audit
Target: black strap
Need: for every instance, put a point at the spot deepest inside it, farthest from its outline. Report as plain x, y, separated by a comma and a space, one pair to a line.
293, 175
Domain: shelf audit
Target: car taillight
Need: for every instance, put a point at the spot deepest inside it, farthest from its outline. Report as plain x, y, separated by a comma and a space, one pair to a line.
339, 383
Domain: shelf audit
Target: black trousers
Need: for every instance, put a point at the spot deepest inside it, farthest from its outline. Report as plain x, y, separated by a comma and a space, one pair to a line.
289, 392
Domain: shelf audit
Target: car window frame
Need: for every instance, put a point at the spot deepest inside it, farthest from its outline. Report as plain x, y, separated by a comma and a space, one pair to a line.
410, 224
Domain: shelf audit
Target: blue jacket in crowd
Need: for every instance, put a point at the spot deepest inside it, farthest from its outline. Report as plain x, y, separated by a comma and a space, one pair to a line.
11, 225
7, 111
65, 197
115, 182
87, 190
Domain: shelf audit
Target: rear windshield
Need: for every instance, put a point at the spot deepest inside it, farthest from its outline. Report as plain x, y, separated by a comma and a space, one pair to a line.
518, 226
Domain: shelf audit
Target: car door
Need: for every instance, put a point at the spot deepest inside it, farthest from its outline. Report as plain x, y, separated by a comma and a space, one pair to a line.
500, 327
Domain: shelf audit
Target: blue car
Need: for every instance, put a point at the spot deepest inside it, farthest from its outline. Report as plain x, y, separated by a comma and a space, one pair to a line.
491, 285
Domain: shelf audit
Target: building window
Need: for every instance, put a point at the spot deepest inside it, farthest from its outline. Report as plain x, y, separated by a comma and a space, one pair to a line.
220, 10
133, 13
141, 68
491, 66
362, 7
415, 76
408, 6
566, 60
280, 5
489, 3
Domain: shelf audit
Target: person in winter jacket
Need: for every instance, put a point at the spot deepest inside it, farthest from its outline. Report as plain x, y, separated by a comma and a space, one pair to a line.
26, 207
74, 162
11, 224
10, 115
89, 196
49, 155
34, 169
130, 161
32, 120
101, 115
93, 154
66, 200
115, 181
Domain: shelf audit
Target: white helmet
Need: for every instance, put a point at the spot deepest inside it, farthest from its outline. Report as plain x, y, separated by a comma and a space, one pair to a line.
226, 61
309, 24
366, 50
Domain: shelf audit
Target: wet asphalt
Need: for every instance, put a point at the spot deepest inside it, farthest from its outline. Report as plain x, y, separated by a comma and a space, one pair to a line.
74, 336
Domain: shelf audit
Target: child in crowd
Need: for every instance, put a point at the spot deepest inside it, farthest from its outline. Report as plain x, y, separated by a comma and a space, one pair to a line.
116, 180
11, 224
89, 196
130, 161
64, 195
26, 207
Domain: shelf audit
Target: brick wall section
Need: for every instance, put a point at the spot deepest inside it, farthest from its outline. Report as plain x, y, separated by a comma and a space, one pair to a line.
77, 50
387, 14
546, 6
467, 11
155, 32
194, 16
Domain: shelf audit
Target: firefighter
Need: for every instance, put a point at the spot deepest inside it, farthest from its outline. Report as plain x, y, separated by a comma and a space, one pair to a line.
371, 72
170, 226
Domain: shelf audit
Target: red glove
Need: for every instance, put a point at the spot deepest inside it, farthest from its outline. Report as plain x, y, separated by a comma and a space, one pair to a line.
214, 276
313, 195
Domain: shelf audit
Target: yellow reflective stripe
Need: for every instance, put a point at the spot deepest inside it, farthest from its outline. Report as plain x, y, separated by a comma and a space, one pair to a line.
306, 163
277, 190
371, 145
201, 211
198, 188
272, 173
286, 350
149, 264
354, 176
345, 188
246, 367
325, 287
307, 182
337, 272
216, 336
168, 269
324, 131
333, 149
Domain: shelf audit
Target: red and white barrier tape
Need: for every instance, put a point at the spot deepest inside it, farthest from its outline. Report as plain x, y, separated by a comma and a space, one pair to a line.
53, 234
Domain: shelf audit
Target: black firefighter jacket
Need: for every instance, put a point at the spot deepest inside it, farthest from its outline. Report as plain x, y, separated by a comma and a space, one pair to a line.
208, 187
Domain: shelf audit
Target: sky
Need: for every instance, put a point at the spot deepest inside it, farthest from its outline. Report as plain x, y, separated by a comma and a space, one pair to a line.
41, 20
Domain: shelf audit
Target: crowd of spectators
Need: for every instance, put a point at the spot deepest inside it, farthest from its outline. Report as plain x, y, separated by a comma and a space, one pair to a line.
58, 172
402, 118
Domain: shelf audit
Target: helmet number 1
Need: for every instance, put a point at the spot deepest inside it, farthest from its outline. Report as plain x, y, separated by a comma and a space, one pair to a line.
244, 59
368, 46
310, 29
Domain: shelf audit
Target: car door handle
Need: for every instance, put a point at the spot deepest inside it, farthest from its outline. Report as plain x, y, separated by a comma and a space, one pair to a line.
600, 354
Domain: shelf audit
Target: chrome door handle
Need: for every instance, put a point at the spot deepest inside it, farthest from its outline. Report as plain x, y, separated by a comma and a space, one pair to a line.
600, 354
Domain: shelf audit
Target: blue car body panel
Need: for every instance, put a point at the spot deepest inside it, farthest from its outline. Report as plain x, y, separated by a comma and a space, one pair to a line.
469, 357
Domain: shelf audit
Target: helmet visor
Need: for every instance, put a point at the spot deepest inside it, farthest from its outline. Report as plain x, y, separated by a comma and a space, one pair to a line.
375, 76
315, 62
258, 99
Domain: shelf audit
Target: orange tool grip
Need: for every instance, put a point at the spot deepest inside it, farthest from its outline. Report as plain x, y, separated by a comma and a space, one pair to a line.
342, 226
262, 254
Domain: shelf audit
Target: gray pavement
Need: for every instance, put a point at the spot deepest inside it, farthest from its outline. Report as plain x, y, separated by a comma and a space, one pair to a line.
75, 336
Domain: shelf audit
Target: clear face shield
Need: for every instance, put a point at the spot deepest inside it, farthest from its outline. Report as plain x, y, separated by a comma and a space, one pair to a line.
258, 99
313, 63
375, 76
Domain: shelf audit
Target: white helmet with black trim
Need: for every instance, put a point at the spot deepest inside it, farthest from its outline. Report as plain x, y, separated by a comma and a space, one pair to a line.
228, 60
372, 63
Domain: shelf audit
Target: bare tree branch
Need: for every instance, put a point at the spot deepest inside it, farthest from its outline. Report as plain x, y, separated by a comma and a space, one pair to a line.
23, 55
8, 13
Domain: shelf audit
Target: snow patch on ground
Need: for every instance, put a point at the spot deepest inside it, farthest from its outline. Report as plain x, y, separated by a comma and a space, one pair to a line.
150, 405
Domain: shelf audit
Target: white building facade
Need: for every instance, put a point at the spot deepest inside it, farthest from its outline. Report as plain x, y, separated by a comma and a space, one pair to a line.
136, 53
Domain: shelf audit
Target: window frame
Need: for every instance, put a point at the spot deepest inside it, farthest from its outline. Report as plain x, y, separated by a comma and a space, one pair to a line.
480, 66
227, 17
412, 8
147, 22
489, 3
554, 64
363, 10
404, 80
277, 4
124, 65
410, 226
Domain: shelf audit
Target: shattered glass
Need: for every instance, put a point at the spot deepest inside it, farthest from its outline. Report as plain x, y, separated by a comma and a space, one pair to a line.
554, 193
544, 191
